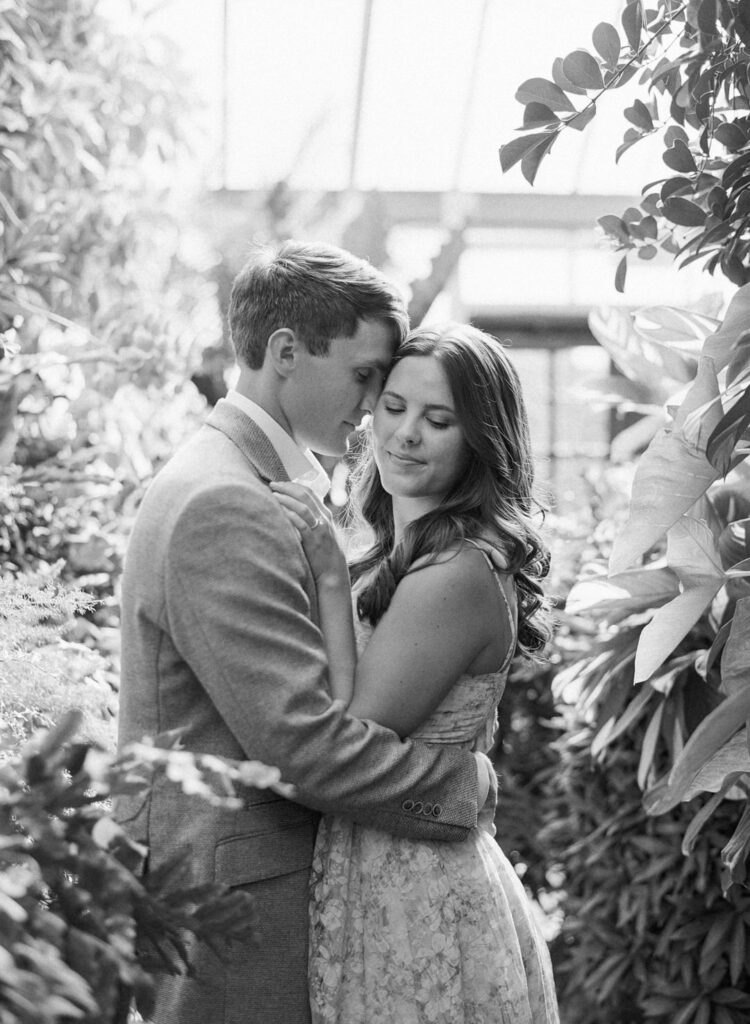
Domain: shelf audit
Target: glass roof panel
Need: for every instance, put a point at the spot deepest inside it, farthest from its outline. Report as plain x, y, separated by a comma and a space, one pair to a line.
438, 95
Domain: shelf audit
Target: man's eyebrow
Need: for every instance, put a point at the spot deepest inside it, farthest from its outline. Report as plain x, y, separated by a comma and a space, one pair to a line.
383, 365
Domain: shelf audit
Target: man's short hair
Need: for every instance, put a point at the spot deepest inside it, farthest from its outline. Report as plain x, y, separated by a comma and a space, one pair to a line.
319, 291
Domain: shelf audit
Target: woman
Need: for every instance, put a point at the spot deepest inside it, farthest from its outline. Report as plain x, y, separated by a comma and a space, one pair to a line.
405, 931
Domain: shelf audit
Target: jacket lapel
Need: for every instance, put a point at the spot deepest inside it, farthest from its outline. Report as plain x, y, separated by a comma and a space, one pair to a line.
249, 438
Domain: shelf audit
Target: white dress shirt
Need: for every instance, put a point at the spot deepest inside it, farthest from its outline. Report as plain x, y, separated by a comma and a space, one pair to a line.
299, 463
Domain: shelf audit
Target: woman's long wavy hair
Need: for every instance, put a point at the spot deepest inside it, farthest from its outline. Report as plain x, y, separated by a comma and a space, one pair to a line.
493, 499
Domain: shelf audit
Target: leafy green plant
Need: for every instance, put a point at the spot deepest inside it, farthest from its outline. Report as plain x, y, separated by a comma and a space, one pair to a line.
682, 511
42, 672
693, 60
99, 310
81, 932
647, 934
97, 306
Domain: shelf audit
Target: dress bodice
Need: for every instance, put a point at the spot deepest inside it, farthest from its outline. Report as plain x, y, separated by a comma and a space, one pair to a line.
467, 715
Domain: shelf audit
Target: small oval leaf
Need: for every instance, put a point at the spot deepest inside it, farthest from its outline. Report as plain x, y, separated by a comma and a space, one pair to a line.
558, 76
640, 116
683, 212
583, 70
607, 42
540, 90
731, 136
533, 158
538, 115
679, 158
632, 22
579, 121
620, 274
517, 149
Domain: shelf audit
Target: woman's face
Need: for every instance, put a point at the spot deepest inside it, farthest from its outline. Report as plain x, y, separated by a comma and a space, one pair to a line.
419, 445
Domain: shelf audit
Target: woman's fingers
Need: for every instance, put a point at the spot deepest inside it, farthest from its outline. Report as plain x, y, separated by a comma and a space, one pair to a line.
298, 514
301, 494
302, 501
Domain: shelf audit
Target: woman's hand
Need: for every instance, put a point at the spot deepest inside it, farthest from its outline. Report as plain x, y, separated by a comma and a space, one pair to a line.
315, 525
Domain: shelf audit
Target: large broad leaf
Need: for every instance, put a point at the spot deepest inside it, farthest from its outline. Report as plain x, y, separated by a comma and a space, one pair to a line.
693, 550
714, 731
734, 854
727, 790
616, 597
734, 543
739, 364
733, 757
736, 319
720, 447
671, 623
634, 355
735, 659
693, 555
633, 439
680, 327
671, 476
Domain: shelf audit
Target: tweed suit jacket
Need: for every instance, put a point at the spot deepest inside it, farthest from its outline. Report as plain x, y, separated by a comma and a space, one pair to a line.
220, 639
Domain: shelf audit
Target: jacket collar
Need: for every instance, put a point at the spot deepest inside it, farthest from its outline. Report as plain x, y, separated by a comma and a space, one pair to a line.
249, 438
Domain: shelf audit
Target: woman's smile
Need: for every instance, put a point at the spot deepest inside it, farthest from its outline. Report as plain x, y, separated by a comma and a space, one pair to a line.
419, 445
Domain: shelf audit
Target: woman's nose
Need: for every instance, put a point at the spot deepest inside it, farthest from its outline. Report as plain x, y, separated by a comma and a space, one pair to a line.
408, 431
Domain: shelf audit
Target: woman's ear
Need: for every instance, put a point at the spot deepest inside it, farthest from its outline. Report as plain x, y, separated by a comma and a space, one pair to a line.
283, 350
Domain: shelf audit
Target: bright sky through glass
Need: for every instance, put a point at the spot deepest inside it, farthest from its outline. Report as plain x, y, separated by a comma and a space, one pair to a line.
292, 74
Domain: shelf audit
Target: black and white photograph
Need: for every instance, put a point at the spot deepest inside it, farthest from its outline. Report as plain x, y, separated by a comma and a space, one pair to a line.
374, 512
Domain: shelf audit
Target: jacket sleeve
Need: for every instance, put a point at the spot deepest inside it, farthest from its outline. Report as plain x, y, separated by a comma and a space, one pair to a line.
238, 608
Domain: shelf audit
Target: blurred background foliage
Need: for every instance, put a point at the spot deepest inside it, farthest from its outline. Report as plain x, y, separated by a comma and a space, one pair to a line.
624, 758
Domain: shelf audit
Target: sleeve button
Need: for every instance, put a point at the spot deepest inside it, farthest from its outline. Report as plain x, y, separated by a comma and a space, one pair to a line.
418, 807
437, 810
428, 808
407, 805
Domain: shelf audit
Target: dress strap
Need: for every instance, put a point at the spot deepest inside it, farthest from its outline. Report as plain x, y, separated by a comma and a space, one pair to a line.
499, 569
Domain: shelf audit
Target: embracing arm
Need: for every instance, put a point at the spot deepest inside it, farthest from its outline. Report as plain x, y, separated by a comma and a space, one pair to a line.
444, 619
239, 610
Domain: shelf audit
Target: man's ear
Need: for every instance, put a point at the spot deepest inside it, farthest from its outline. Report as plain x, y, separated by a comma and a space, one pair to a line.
283, 350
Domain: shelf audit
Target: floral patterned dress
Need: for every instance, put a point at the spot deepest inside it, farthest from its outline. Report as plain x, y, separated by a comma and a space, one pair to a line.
408, 932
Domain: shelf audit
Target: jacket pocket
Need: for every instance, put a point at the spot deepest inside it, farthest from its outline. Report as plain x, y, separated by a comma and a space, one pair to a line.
245, 859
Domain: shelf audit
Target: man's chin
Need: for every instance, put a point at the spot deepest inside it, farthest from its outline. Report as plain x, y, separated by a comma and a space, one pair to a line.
336, 447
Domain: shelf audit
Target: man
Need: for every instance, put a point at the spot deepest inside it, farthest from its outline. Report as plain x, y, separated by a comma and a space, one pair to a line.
220, 637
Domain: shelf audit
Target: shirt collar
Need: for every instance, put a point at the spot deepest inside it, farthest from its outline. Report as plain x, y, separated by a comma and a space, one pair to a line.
299, 463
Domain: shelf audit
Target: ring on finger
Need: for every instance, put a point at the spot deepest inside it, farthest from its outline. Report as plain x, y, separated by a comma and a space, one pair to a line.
317, 522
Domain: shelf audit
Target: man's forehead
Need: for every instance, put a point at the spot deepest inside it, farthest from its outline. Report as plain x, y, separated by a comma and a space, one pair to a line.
373, 345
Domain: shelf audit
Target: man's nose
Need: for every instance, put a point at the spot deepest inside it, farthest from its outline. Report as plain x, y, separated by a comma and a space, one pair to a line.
371, 396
